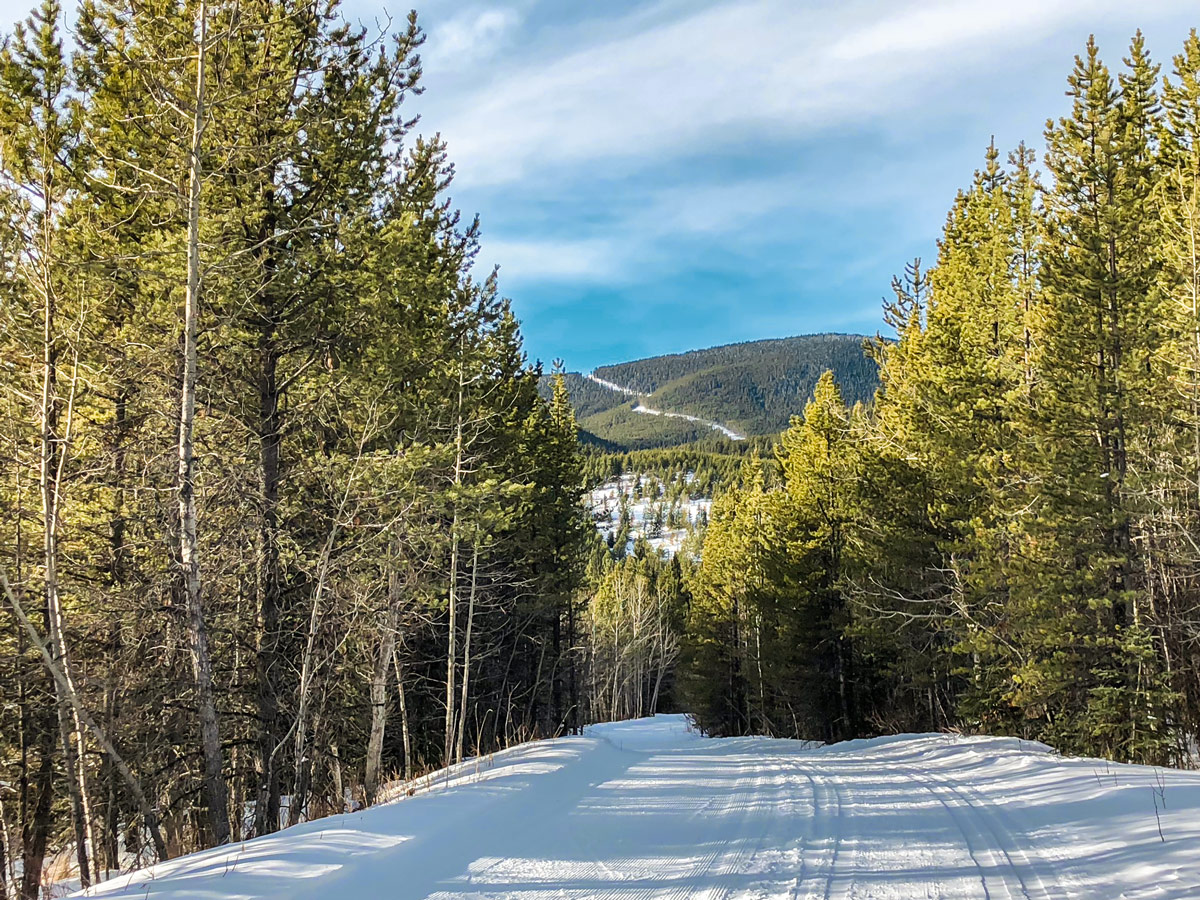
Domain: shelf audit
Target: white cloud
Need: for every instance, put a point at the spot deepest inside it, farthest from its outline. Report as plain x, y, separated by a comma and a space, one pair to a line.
735, 71
550, 259
470, 37
957, 25
641, 231
638, 236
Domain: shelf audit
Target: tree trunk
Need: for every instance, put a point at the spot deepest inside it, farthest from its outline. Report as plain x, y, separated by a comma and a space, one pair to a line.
300, 744
116, 577
300, 749
451, 649
267, 587
189, 551
4, 861
466, 677
379, 715
379, 695
573, 684
36, 829
135, 788
556, 692
403, 715
339, 785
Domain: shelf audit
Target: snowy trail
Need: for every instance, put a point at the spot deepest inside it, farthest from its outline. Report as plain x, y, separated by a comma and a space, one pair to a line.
647, 810
613, 386
646, 410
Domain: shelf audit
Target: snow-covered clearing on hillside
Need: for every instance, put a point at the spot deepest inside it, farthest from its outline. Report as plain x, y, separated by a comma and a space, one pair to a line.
605, 504
648, 809
592, 376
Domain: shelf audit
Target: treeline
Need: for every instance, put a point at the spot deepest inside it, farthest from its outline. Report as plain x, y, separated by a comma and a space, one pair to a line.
754, 387
282, 514
704, 467
1006, 540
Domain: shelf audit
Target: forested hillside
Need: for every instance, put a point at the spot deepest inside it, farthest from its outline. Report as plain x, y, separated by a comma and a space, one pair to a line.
1005, 541
622, 429
281, 511
587, 396
753, 388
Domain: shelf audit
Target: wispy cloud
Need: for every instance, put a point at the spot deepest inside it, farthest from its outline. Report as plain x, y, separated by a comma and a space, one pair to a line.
471, 36
633, 233
639, 231
950, 29
553, 260
731, 72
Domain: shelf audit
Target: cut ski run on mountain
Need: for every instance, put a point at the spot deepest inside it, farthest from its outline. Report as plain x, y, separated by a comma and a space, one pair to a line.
646, 410
648, 808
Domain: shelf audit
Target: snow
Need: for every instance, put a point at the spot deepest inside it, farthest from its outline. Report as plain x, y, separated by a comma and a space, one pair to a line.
715, 426
646, 410
651, 809
605, 504
592, 376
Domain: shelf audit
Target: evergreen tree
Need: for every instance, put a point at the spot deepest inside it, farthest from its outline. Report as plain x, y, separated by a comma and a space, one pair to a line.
1080, 596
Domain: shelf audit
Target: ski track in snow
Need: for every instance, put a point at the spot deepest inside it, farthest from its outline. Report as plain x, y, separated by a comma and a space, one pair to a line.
648, 810
646, 410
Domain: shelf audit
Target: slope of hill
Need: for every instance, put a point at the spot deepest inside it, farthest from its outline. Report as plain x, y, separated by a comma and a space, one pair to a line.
620, 428
745, 389
648, 808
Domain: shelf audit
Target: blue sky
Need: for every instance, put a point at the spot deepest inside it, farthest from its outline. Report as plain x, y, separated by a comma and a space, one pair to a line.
654, 177
659, 176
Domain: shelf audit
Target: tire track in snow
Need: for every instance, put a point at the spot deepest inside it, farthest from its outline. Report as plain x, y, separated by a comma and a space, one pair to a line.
834, 830
734, 863
1008, 838
986, 879
628, 878
613, 874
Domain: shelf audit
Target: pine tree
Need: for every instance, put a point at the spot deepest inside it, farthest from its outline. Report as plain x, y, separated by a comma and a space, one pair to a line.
40, 141
1174, 511
1080, 601
818, 465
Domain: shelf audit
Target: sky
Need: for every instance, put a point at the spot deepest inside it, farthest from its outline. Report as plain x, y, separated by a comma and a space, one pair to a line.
653, 177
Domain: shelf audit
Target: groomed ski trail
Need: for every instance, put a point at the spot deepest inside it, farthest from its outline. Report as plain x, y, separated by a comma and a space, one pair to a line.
646, 410
647, 810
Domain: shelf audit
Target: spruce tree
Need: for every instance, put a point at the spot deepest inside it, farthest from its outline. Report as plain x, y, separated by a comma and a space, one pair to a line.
1079, 597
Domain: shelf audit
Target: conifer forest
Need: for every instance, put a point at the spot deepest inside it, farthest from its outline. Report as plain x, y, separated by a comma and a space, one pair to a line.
288, 517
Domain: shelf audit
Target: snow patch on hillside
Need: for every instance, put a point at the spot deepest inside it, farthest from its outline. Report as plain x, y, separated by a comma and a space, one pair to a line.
715, 426
592, 376
665, 524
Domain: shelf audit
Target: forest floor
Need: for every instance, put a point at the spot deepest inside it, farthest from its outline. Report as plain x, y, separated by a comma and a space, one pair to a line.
649, 809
